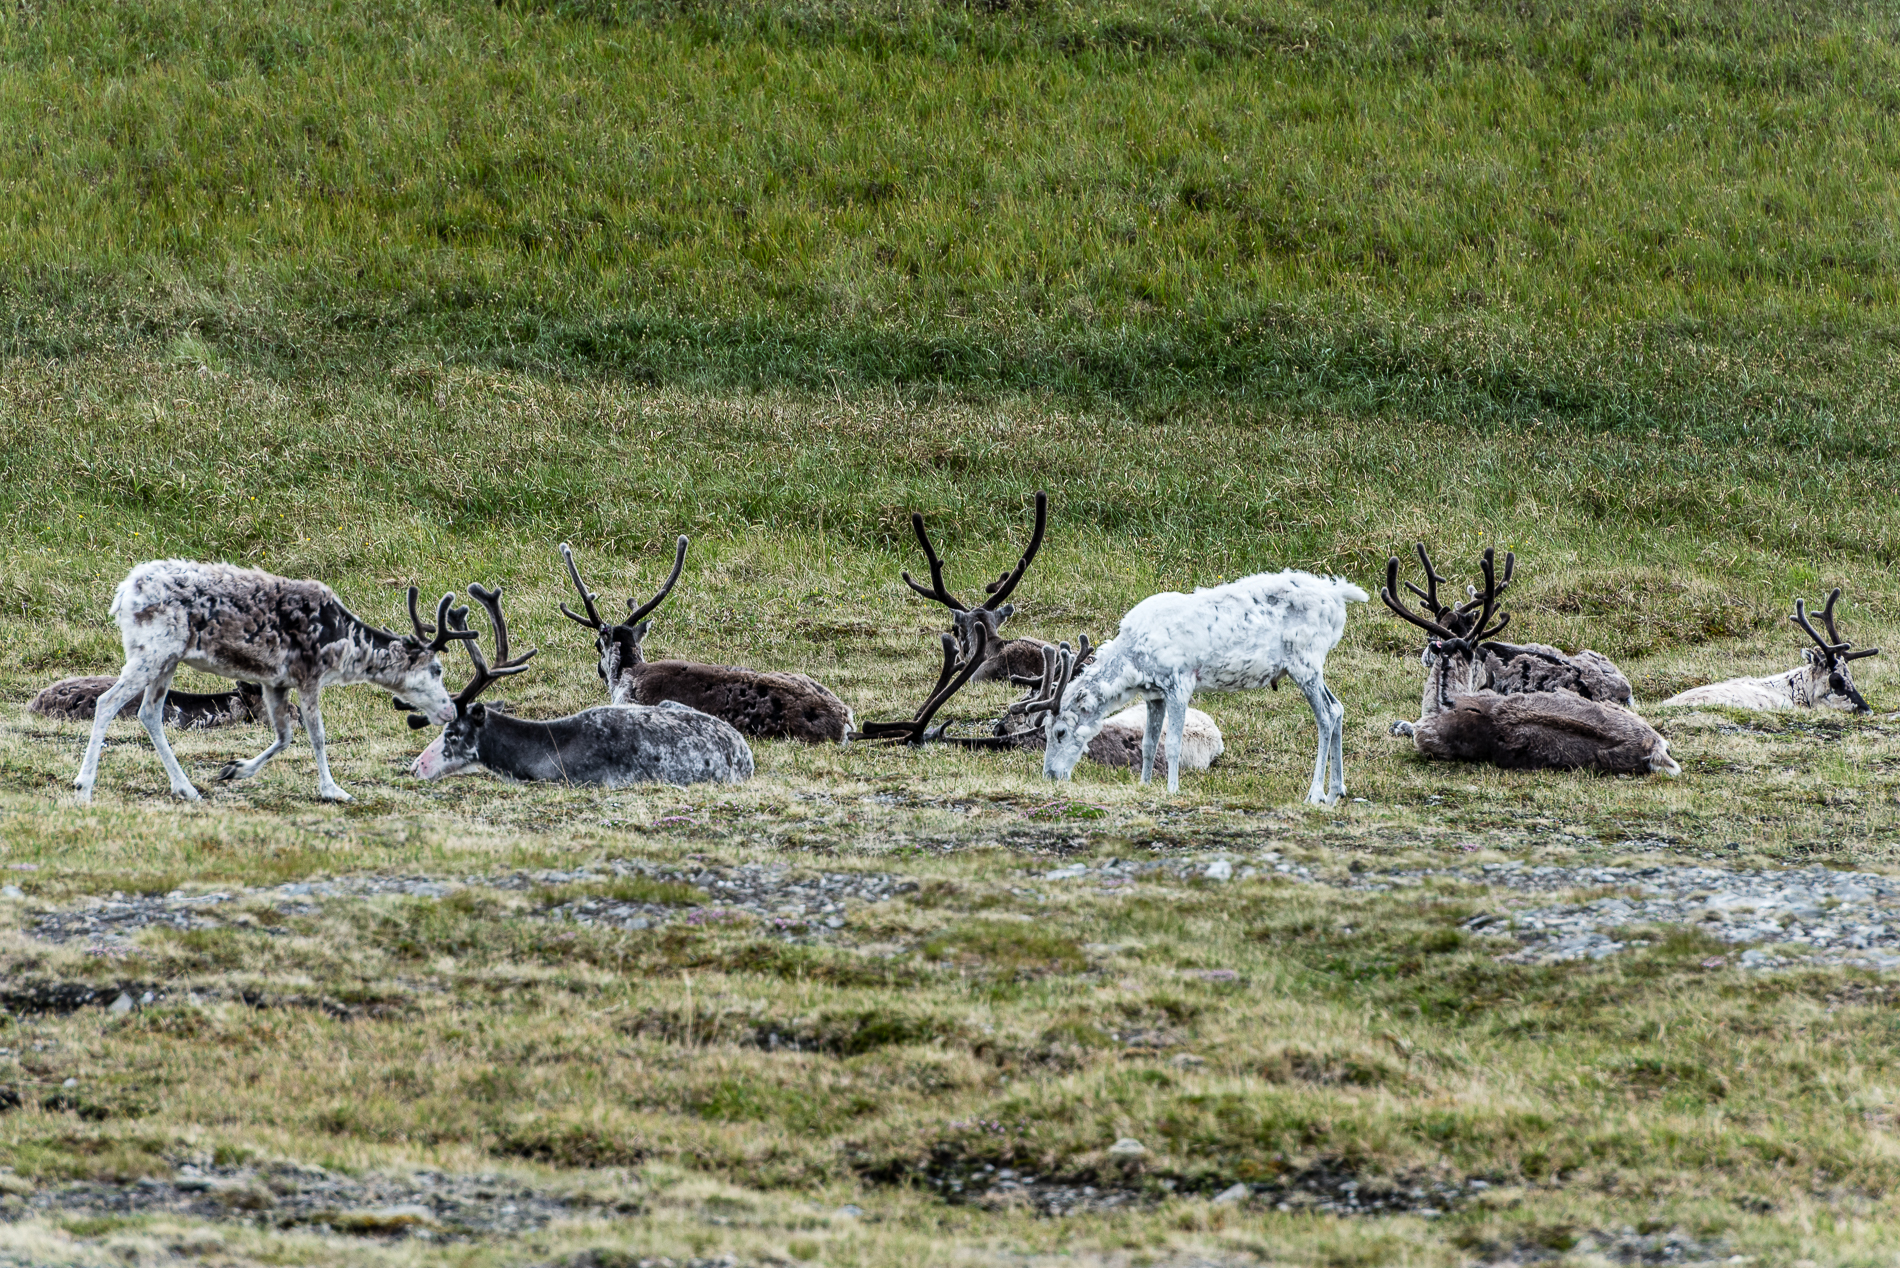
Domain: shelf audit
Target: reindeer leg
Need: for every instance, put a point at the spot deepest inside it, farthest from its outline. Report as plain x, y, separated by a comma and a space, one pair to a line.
1177, 707
1338, 788
313, 727
152, 714
277, 713
1313, 687
1151, 736
132, 680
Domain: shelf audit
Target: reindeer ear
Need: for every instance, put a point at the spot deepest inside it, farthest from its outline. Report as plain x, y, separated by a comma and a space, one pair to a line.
478, 713
640, 631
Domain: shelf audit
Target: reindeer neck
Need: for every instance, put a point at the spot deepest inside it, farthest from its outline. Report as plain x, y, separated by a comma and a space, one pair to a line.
1449, 676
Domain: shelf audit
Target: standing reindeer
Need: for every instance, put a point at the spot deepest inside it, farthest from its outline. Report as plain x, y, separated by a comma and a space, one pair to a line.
1118, 743
766, 705
1821, 681
1247, 633
239, 623
1463, 719
612, 746
77, 700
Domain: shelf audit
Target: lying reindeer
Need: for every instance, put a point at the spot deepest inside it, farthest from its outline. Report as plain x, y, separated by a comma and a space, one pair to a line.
1821, 681
1505, 668
612, 746
77, 700
252, 626
1462, 719
766, 705
1247, 633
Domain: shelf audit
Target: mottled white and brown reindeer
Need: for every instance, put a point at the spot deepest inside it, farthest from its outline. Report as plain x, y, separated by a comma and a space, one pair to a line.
1821, 681
611, 746
763, 704
255, 627
1463, 719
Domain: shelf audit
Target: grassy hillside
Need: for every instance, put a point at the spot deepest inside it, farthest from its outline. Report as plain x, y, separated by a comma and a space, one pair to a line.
411, 292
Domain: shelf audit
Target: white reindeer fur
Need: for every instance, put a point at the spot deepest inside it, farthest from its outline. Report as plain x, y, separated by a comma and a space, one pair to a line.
1244, 634
1807, 686
240, 623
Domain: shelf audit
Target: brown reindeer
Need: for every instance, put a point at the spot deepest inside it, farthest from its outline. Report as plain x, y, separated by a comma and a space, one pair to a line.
77, 700
1462, 719
763, 704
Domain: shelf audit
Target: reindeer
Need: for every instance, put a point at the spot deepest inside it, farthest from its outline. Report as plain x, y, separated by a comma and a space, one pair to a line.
1247, 633
252, 626
77, 700
1821, 681
766, 705
612, 746
1484, 664
973, 650
1118, 743
1463, 719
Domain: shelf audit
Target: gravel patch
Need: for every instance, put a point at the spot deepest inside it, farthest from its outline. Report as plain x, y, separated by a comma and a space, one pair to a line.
786, 902
424, 1205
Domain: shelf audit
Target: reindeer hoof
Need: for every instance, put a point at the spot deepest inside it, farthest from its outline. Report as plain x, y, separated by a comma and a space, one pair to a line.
188, 793
1400, 727
231, 770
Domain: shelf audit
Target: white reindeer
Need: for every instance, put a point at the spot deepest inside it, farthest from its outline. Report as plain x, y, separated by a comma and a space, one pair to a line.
1822, 680
1247, 633
252, 626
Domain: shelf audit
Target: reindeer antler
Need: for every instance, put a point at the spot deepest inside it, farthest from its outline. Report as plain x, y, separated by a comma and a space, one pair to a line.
999, 589
486, 677
679, 562
1058, 670
439, 635
592, 620
1388, 593
1834, 646
1446, 621
1488, 601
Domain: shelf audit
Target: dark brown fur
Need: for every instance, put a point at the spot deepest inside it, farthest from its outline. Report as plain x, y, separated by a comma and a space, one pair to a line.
1543, 730
77, 699
1511, 668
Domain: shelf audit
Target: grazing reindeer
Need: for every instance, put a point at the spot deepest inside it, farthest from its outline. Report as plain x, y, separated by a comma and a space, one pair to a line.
1247, 633
612, 746
77, 700
239, 623
767, 705
1462, 719
1118, 743
1821, 681
1475, 662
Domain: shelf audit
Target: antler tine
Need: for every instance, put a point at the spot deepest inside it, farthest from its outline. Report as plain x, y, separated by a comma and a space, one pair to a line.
1037, 700
444, 632
936, 592
491, 599
1488, 601
999, 590
592, 620
1827, 619
423, 629
979, 640
679, 561
1431, 579
1388, 593
1800, 618
1497, 591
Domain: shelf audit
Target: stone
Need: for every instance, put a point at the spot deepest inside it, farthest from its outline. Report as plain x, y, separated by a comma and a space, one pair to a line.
1232, 1194
11, 891
123, 1004
1127, 1147
1219, 870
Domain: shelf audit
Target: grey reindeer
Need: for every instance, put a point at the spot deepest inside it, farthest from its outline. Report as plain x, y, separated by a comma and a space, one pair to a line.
252, 626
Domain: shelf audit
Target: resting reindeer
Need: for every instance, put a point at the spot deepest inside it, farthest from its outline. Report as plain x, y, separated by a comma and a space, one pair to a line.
77, 700
1486, 664
763, 704
1527, 730
1247, 633
1821, 681
612, 746
238, 623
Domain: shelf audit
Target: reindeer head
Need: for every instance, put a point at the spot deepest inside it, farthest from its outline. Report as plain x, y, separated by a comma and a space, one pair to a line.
1825, 679
459, 745
1072, 712
413, 669
618, 645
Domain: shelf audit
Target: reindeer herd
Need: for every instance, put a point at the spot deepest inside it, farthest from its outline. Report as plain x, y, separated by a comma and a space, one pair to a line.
1123, 703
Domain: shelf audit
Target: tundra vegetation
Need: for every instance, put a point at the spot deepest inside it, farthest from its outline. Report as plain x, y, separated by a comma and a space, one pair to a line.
392, 294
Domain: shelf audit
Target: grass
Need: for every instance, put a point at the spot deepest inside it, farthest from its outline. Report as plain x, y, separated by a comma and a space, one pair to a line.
409, 294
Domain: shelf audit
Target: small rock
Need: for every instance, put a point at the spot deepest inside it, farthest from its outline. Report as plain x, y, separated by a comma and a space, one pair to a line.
11, 891
1183, 1060
1068, 873
123, 1004
849, 1211
1232, 1194
70, 1083
1219, 870
1127, 1147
